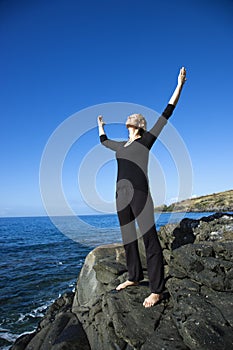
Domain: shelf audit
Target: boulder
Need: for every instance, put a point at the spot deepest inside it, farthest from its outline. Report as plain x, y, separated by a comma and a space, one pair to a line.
118, 320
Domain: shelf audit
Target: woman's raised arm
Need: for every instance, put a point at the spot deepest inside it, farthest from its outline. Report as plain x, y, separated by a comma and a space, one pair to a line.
113, 145
154, 132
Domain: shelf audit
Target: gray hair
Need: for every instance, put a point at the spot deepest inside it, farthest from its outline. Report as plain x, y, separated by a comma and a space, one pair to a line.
137, 120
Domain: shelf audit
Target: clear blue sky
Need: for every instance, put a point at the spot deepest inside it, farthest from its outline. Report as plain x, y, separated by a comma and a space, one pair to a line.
61, 56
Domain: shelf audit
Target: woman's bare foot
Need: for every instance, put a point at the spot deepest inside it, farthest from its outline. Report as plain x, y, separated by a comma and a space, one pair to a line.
152, 299
126, 284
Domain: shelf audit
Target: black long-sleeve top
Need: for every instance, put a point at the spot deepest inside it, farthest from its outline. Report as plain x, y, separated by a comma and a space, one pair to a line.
133, 159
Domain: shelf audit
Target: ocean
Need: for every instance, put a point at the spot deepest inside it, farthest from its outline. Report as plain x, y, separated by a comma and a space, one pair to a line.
38, 263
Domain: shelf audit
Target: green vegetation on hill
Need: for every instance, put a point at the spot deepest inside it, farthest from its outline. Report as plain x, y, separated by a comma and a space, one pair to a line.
222, 201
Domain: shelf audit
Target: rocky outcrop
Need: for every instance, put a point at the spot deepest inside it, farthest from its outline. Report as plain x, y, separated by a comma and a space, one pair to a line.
195, 313
118, 320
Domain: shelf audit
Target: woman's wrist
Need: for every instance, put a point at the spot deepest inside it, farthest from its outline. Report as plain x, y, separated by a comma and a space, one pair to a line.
101, 130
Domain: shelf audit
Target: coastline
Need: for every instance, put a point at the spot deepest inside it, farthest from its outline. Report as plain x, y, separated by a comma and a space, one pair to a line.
108, 319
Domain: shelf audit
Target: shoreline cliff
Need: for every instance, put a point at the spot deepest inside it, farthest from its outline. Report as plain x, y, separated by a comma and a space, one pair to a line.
216, 202
195, 313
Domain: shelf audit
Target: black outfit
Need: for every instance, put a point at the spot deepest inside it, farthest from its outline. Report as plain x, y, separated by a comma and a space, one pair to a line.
134, 201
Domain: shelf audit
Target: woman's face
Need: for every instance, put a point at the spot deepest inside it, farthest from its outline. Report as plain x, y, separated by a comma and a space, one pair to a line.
130, 121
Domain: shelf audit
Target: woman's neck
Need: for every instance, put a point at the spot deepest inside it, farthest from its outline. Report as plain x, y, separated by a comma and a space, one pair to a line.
133, 134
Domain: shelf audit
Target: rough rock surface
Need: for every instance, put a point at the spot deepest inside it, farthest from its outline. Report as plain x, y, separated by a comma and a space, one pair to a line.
195, 313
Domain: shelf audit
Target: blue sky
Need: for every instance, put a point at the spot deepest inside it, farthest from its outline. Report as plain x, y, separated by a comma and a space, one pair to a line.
62, 56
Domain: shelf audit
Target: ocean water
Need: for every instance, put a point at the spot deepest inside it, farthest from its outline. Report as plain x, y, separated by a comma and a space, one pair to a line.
38, 263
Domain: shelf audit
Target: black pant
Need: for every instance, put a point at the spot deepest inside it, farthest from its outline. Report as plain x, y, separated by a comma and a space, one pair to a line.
133, 204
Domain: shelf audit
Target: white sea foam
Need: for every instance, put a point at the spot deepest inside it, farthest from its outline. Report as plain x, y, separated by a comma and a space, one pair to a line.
37, 312
8, 336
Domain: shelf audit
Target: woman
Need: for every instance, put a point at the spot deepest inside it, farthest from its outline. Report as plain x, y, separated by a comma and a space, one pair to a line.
133, 197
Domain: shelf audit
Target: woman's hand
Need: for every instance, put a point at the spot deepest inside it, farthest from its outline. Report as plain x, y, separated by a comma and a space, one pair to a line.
101, 124
181, 80
100, 121
182, 76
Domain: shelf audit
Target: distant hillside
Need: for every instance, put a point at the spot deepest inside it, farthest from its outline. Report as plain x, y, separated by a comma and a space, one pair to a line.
222, 201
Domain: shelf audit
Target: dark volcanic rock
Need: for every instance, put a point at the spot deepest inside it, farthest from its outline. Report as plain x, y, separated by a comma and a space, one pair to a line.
118, 320
201, 322
201, 283
199, 263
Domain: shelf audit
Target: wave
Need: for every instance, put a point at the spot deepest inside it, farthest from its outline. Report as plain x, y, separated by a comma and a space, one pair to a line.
6, 336
38, 312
